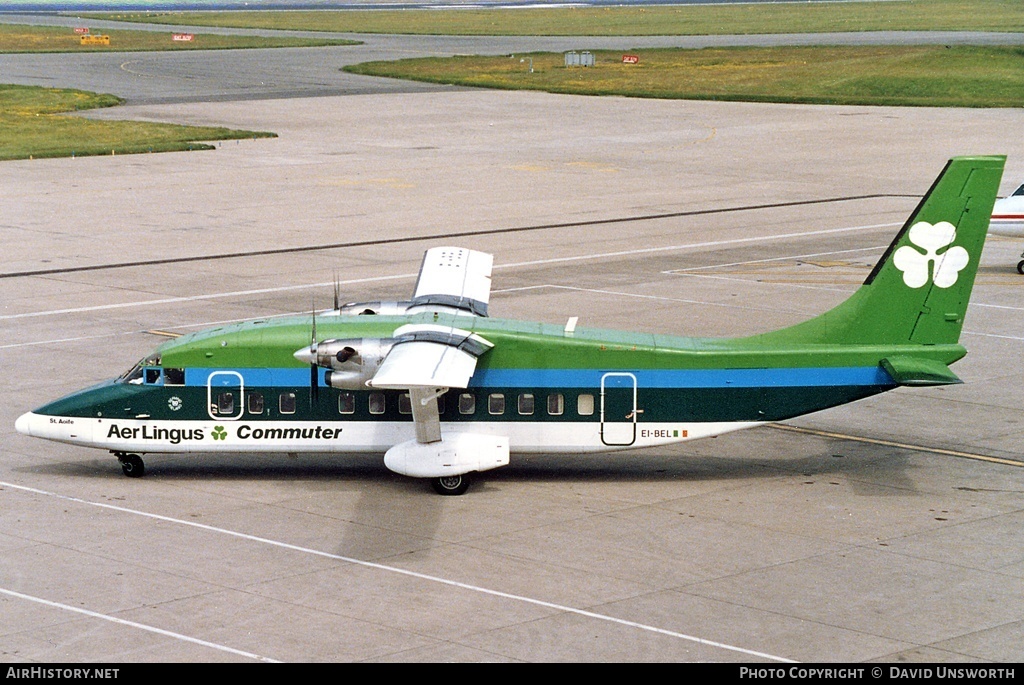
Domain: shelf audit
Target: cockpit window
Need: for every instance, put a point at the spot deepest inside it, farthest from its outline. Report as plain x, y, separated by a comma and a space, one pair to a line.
133, 375
1019, 191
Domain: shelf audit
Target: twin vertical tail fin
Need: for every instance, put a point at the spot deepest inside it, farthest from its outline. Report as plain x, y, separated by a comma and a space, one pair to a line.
919, 290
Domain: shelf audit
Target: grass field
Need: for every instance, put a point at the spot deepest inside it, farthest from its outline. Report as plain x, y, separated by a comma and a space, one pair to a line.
888, 75
892, 15
16, 38
35, 123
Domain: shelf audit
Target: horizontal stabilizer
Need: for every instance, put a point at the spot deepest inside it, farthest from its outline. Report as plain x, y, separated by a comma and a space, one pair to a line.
918, 371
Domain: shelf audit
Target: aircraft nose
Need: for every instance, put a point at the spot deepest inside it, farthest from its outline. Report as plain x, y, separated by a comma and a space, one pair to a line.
23, 424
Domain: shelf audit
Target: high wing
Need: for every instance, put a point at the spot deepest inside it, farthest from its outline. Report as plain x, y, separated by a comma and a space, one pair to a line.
453, 279
427, 360
430, 356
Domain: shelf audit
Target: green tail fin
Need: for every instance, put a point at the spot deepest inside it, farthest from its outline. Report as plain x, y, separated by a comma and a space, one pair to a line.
919, 290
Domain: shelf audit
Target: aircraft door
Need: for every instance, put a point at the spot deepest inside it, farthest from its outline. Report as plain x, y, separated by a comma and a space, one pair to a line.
224, 395
618, 409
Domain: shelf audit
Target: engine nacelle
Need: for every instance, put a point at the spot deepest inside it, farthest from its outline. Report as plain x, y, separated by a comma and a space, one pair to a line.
352, 362
371, 308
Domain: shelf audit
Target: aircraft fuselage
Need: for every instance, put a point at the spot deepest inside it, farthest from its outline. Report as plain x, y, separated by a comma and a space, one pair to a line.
239, 389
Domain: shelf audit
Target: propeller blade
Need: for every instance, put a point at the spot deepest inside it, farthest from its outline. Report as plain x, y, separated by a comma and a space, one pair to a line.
314, 372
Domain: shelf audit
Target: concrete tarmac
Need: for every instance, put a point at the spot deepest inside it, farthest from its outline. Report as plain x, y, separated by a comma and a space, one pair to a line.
884, 531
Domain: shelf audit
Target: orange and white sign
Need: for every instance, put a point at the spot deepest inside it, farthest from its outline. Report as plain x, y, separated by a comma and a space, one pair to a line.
630, 59
81, 30
182, 36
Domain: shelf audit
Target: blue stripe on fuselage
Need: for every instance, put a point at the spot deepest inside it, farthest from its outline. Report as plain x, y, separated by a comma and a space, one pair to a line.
686, 378
591, 378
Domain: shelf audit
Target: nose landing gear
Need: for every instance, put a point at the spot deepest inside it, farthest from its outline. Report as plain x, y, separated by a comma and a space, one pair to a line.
131, 464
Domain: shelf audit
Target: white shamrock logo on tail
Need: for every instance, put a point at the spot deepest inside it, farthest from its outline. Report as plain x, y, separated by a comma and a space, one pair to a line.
916, 267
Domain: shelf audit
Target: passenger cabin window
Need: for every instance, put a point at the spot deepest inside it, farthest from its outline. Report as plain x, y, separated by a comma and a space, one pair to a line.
226, 403
378, 403
585, 405
255, 402
496, 404
467, 403
556, 404
286, 403
346, 403
526, 403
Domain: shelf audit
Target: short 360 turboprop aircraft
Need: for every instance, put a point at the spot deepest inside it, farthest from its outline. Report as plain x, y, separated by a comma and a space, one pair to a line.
446, 391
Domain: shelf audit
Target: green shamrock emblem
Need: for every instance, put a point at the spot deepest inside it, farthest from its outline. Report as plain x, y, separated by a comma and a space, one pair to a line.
219, 433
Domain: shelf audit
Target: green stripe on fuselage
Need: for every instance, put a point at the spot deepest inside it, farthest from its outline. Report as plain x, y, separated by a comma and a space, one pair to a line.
525, 345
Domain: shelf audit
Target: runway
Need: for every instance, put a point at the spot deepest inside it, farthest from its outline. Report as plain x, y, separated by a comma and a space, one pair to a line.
885, 531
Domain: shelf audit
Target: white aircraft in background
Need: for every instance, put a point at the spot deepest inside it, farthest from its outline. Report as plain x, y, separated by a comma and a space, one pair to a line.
1008, 219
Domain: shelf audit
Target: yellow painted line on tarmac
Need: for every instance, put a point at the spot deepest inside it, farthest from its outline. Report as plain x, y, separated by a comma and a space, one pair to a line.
164, 334
901, 445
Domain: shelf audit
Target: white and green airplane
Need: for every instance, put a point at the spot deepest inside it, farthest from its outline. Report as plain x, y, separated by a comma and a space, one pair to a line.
1008, 219
444, 390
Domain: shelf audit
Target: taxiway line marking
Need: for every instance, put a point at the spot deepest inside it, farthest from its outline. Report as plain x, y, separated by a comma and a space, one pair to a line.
686, 271
639, 296
134, 624
901, 445
377, 279
447, 236
382, 567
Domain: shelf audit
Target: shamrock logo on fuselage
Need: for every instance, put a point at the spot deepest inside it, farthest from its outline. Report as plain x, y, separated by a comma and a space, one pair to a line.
219, 433
917, 267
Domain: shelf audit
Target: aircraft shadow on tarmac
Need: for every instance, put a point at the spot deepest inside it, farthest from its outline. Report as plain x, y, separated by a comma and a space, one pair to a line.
875, 470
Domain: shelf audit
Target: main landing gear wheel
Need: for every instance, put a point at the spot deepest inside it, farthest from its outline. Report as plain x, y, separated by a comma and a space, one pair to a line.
132, 465
1020, 267
451, 485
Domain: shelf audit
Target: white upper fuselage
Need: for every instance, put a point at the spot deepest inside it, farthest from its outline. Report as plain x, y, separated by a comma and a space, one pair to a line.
1008, 215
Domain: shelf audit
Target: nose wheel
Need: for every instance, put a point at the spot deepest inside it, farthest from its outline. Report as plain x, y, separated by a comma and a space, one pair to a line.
1020, 267
131, 465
